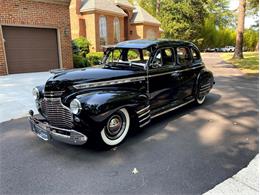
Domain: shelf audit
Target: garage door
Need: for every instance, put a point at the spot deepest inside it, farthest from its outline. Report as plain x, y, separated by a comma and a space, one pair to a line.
30, 49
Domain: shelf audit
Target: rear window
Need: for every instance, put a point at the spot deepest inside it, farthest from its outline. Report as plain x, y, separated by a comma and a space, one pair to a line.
183, 56
195, 54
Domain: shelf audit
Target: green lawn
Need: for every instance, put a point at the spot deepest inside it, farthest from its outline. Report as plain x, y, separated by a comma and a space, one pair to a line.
249, 65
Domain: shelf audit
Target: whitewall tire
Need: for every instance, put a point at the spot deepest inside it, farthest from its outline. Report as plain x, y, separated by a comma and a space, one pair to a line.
116, 128
200, 100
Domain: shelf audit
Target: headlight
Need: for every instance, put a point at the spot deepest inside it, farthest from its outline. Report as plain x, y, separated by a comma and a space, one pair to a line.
36, 93
75, 106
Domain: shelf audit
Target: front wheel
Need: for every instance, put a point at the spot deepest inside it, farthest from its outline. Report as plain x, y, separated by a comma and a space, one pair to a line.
116, 128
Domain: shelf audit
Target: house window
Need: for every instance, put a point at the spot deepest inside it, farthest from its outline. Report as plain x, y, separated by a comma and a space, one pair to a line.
116, 30
103, 30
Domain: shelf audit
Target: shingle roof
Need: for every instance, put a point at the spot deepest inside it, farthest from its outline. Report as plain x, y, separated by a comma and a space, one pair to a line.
142, 16
101, 5
124, 3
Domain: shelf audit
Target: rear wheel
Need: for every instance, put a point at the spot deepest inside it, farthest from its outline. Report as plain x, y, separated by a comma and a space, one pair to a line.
200, 100
116, 128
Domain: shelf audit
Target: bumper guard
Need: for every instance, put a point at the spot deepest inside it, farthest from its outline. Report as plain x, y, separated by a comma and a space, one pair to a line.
47, 132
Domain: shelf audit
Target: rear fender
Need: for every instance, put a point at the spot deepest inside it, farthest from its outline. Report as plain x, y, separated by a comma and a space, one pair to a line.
204, 82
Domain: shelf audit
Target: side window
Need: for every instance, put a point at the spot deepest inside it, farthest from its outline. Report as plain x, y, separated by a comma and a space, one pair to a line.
115, 55
164, 57
167, 57
157, 60
133, 55
195, 54
183, 56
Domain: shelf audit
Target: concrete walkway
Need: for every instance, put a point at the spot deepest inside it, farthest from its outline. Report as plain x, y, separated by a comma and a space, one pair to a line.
16, 94
245, 182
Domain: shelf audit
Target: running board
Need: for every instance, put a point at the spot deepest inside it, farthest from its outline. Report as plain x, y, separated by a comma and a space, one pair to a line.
171, 109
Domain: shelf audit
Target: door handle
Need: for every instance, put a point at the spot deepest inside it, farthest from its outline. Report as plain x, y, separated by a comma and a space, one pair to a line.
176, 74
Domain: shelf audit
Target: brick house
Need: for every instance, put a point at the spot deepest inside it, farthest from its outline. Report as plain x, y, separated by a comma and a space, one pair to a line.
34, 35
106, 22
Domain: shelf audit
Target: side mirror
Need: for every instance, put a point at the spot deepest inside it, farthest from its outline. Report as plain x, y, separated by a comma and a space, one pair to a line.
156, 64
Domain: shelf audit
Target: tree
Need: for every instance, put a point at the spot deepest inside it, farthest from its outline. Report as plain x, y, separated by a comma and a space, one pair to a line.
251, 39
219, 10
182, 19
238, 54
158, 5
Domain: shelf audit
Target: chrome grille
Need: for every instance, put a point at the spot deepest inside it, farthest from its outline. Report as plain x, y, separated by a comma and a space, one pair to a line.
56, 113
53, 94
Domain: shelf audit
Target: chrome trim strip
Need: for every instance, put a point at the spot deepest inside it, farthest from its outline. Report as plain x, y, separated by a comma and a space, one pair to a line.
147, 107
126, 80
161, 74
144, 124
206, 85
204, 90
189, 69
110, 82
171, 109
140, 116
145, 118
165, 73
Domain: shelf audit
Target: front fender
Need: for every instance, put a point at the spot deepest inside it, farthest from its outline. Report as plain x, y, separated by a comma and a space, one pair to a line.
100, 105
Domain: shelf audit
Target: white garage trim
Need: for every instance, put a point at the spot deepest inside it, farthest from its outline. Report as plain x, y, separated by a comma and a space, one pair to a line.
2, 37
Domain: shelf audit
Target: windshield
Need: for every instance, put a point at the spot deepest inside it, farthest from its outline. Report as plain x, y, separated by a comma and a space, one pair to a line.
127, 57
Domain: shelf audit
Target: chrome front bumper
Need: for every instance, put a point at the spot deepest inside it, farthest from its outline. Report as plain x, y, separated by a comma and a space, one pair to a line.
47, 132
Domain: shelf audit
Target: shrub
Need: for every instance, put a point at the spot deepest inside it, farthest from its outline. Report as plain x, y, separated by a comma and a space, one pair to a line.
132, 55
81, 46
79, 61
94, 58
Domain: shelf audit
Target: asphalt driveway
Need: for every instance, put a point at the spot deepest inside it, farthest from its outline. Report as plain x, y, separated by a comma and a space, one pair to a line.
187, 151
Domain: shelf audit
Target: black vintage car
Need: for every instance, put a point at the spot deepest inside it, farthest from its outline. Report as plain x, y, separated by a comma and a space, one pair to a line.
139, 81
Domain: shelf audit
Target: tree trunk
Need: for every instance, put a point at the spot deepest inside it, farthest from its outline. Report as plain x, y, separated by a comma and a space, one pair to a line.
238, 54
158, 5
257, 46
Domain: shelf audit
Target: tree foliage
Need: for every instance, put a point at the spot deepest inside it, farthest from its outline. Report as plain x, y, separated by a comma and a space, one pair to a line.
250, 39
182, 19
208, 23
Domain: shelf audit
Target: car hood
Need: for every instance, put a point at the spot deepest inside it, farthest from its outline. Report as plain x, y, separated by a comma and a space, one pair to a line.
66, 79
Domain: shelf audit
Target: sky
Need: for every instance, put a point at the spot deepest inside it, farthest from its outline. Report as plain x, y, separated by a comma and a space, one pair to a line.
249, 21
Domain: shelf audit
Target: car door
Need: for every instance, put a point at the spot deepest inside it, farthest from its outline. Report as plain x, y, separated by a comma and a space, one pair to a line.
186, 72
161, 78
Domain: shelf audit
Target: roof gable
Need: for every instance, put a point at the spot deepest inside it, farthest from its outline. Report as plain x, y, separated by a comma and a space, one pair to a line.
140, 15
124, 3
101, 5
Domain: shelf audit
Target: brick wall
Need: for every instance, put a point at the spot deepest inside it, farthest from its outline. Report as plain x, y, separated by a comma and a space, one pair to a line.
137, 31
152, 28
75, 18
92, 29
38, 14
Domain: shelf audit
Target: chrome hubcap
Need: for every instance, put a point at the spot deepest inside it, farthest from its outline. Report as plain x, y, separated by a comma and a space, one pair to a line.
114, 125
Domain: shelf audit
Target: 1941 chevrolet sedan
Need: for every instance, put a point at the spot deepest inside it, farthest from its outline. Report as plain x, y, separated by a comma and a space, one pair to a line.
139, 81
